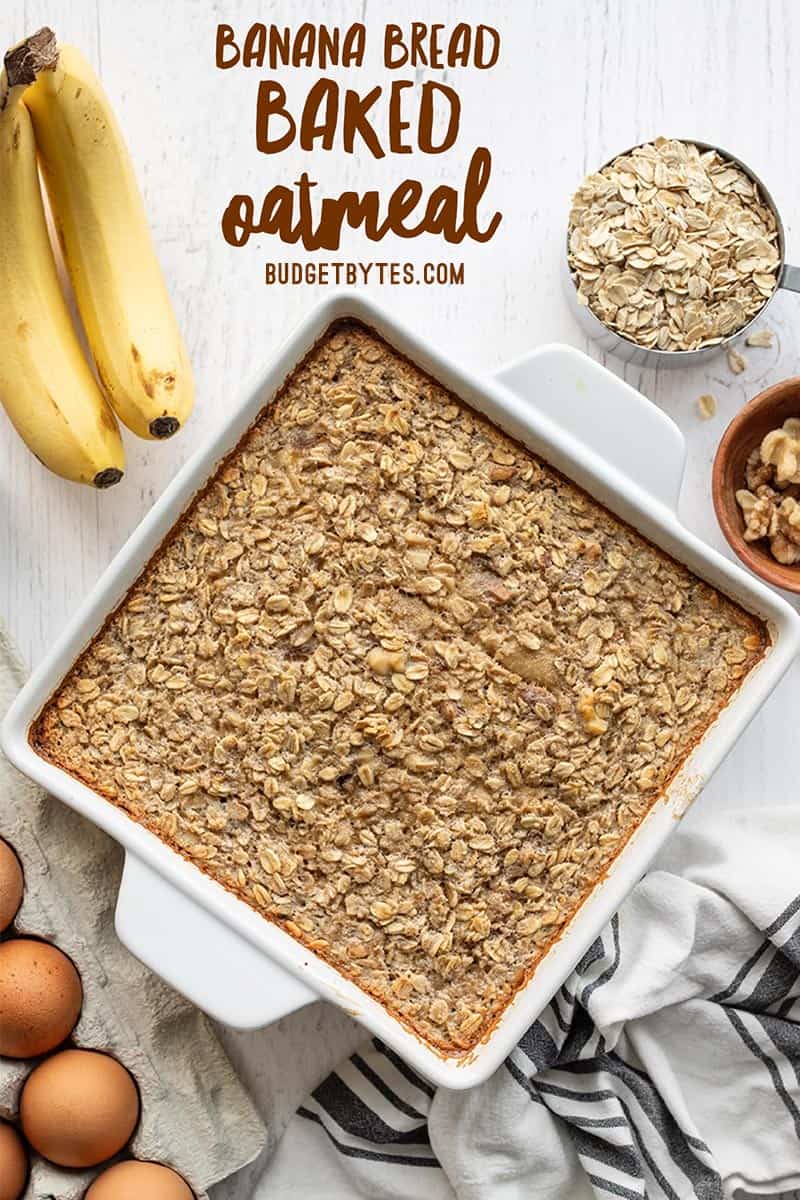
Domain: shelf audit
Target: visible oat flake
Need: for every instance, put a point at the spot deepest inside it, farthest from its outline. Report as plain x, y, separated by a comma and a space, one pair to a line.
673, 247
707, 406
736, 361
763, 338
409, 696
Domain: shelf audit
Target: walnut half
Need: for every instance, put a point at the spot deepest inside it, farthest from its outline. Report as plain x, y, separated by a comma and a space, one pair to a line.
760, 514
781, 449
783, 550
770, 503
593, 723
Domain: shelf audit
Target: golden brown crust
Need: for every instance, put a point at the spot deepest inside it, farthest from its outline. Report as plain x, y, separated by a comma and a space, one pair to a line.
399, 686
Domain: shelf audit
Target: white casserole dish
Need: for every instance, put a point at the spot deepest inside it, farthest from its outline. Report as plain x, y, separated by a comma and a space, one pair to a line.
236, 965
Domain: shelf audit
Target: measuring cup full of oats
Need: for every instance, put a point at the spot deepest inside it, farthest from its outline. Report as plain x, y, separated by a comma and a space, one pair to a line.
674, 248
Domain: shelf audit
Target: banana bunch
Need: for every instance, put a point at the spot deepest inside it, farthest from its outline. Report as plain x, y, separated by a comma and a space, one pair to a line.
54, 116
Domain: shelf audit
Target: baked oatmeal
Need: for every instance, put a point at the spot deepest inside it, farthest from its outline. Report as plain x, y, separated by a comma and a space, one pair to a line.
400, 686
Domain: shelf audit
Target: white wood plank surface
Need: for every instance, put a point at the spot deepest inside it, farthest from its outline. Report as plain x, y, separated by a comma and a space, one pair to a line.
578, 80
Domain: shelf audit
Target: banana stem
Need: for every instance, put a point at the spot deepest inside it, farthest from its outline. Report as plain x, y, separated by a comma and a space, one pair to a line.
26, 61
107, 478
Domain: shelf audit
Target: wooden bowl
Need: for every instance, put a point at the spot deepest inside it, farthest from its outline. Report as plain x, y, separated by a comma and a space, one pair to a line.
768, 410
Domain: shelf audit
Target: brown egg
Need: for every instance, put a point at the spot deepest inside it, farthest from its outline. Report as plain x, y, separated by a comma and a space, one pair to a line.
40, 998
134, 1180
13, 1163
11, 885
79, 1108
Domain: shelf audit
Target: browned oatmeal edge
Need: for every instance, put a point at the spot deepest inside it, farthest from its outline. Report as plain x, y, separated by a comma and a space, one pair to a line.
446, 1049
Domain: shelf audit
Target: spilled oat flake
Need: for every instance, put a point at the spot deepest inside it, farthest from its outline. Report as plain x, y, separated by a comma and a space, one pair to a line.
736, 361
763, 338
707, 406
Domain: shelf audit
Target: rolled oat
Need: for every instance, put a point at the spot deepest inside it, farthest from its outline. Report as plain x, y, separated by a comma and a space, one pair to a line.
413, 738
672, 247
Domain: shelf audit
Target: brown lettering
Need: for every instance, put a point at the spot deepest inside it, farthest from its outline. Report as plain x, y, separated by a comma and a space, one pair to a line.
427, 112
416, 51
486, 58
237, 220
480, 170
356, 121
353, 49
459, 48
397, 126
272, 102
303, 51
436, 59
402, 202
255, 45
441, 214
431, 46
276, 214
323, 95
307, 46
394, 48
225, 37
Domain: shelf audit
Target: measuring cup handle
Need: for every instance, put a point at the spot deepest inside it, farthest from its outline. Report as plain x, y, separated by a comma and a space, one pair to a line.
790, 278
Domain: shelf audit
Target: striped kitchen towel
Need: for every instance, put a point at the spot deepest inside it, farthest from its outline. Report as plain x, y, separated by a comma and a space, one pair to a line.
668, 1066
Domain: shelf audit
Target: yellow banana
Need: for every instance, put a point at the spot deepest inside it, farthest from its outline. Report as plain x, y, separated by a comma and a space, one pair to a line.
46, 384
122, 299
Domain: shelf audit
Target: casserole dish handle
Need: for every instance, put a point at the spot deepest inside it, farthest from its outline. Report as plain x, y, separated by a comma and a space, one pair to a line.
202, 959
605, 414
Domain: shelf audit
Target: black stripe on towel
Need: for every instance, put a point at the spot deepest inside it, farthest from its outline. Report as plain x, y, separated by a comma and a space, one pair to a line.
697, 1142
595, 951
741, 974
522, 1079
781, 920
627, 1120
404, 1070
785, 1036
769, 1063
616, 1189
555, 1008
610, 970
401, 1160
584, 1122
769, 933
775, 983
356, 1118
540, 1091
620, 1158
598, 1122
563, 1093
787, 1006
647, 1158
380, 1084
579, 1036
706, 1182
540, 1048
791, 948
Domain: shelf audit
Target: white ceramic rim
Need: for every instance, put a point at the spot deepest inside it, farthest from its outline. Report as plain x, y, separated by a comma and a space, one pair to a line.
626, 496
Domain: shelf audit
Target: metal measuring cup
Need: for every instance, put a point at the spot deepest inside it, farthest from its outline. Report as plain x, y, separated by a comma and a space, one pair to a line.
788, 277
